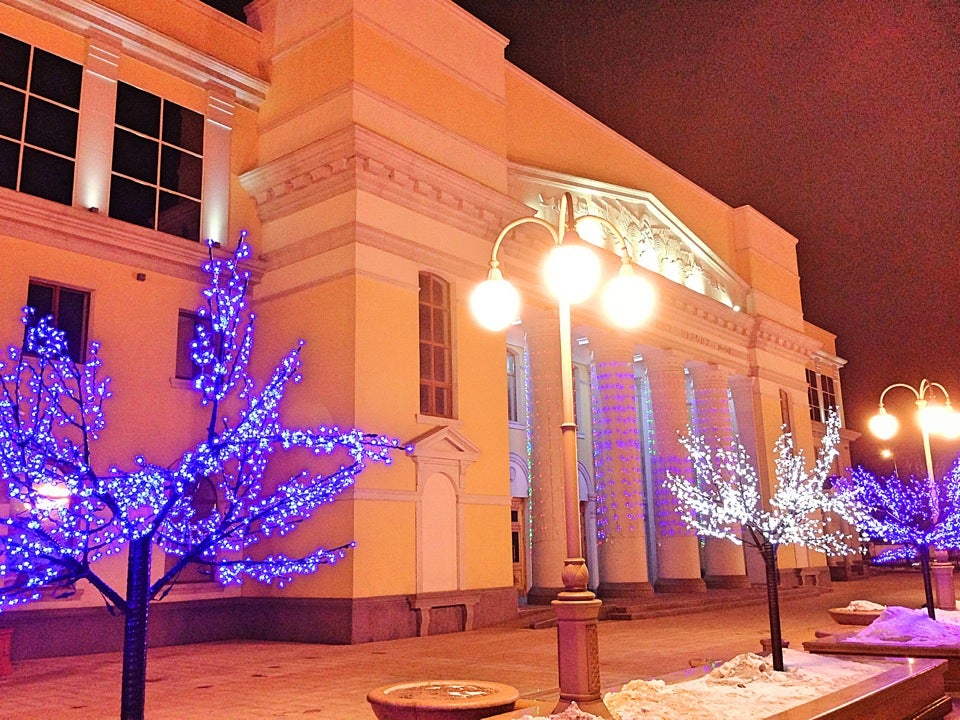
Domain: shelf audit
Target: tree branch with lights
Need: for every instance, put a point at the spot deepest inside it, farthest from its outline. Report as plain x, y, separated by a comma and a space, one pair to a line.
64, 513
723, 500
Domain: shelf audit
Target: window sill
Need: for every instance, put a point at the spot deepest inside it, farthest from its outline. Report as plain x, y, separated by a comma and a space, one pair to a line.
438, 421
181, 383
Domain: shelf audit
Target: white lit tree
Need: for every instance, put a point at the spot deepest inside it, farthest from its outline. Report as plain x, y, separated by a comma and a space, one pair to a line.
723, 500
64, 511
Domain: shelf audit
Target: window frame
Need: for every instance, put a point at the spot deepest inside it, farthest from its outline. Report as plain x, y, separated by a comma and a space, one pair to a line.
36, 100
433, 347
513, 386
84, 329
125, 132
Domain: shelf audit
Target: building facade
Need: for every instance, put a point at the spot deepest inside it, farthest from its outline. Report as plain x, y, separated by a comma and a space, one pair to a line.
373, 150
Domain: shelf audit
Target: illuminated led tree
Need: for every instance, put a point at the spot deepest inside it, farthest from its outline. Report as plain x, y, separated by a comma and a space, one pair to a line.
905, 512
723, 500
64, 512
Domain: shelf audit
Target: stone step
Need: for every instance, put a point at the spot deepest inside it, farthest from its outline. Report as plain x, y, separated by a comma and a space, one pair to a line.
540, 617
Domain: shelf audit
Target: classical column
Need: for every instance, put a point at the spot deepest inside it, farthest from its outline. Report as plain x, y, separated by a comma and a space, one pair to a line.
618, 471
746, 406
548, 546
678, 552
723, 559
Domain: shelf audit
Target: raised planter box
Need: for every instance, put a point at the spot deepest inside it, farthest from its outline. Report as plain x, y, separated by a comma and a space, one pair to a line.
6, 635
834, 645
907, 691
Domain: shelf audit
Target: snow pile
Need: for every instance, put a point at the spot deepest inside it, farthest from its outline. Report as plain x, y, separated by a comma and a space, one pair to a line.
865, 606
745, 687
911, 627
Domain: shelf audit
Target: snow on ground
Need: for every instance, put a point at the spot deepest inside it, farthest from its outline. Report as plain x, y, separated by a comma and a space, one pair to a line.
911, 627
746, 688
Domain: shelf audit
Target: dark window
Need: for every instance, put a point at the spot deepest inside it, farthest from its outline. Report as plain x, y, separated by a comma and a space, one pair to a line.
187, 324
157, 163
203, 500
785, 418
813, 396
69, 309
512, 412
39, 112
821, 395
436, 382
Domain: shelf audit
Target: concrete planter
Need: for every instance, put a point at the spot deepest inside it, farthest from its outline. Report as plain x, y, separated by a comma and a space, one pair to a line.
442, 700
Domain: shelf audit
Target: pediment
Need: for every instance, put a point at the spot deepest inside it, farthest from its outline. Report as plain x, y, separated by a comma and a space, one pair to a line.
657, 239
444, 443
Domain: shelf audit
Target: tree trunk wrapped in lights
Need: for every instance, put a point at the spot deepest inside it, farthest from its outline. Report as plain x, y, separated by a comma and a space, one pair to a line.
905, 512
65, 513
723, 500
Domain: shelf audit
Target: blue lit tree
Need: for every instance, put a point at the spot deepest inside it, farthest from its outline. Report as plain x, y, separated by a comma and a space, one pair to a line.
912, 513
65, 512
723, 500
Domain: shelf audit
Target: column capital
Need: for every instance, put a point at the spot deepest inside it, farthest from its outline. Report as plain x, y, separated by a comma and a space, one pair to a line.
610, 346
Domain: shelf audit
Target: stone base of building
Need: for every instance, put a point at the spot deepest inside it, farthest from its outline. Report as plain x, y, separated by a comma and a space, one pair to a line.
336, 621
679, 585
624, 589
807, 576
726, 582
542, 595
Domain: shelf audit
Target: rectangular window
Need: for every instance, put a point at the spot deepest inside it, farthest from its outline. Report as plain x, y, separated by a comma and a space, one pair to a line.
39, 115
70, 310
157, 163
813, 396
821, 395
436, 381
512, 412
203, 499
785, 419
187, 323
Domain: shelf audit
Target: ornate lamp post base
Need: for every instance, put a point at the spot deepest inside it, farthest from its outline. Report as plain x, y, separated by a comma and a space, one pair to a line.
578, 649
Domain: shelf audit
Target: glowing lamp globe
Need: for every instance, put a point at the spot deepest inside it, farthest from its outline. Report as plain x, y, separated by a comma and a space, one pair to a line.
495, 303
572, 270
934, 418
951, 424
883, 425
628, 299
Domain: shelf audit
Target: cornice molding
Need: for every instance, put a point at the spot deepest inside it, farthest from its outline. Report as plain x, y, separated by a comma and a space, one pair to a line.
146, 44
357, 158
80, 231
771, 336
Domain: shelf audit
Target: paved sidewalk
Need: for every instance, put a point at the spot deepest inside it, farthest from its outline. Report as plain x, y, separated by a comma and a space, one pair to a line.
255, 680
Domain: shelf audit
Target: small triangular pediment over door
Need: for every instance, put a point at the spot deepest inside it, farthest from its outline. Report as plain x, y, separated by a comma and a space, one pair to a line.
444, 449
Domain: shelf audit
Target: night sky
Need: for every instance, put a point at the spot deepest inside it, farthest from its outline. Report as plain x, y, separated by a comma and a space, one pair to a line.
838, 119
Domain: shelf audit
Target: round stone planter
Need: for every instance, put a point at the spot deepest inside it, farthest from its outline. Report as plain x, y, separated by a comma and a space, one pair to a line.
853, 617
442, 700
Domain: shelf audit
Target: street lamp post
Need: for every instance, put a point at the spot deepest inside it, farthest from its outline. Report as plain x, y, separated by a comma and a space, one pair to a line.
938, 419
572, 271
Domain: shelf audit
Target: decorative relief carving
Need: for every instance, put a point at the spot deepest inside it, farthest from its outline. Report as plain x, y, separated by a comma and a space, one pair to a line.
651, 245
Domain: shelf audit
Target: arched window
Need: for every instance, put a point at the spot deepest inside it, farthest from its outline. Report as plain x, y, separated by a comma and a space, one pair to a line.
512, 412
436, 381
